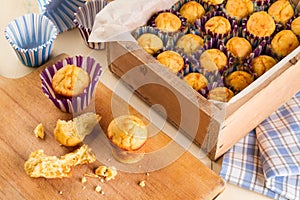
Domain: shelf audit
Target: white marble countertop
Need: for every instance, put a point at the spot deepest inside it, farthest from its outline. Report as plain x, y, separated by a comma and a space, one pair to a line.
72, 44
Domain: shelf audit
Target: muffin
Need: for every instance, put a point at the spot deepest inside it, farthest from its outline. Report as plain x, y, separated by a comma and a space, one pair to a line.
261, 24
151, 43
213, 59
70, 81
239, 47
222, 94
295, 26
262, 63
239, 80
239, 8
189, 43
168, 22
192, 10
172, 60
213, 2
284, 43
128, 135
281, 11
196, 80
218, 25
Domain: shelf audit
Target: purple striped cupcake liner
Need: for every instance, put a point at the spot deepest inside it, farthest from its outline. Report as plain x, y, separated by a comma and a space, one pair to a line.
31, 36
77, 103
184, 24
60, 12
84, 20
211, 7
200, 25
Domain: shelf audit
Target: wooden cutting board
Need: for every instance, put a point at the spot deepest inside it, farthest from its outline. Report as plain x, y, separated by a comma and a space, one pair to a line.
23, 106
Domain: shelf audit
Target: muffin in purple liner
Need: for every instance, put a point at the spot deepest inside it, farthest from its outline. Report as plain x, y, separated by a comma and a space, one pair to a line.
189, 9
31, 36
189, 43
281, 11
84, 20
150, 39
76, 103
294, 25
238, 9
212, 5
217, 25
170, 22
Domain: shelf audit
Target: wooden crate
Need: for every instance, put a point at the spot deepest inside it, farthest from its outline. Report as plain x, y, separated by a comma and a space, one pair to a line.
214, 127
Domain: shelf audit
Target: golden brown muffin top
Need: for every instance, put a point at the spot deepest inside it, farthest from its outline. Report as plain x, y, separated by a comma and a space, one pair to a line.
239, 8
295, 26
261, 24
151, 43
189, 43
284, 42
127, 132
239, 80
281, 11
214, 2
220, 94
213, 59
196, 80
239, 47
218, 24
70, 80
262, 63
192, 10
171, 60
168, 22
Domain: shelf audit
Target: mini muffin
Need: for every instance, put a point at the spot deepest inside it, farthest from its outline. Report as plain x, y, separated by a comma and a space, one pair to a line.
128, 135
213, 2
239, 8
168, 22
70, 81
220, 94
295, 26
192, 10
239, 80
196, 80
172, 60
281, 11
151, 43
189, 43
262, 63
261, 24
218, 24
284, 42
239, 47
213, 59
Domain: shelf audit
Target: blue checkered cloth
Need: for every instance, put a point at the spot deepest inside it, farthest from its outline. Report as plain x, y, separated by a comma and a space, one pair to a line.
267, 160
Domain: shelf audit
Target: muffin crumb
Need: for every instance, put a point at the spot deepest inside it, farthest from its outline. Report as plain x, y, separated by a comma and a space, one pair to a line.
98, 188
39, 131
142, 183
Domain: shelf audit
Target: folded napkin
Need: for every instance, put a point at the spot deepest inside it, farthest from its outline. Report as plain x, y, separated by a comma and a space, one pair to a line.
267, 160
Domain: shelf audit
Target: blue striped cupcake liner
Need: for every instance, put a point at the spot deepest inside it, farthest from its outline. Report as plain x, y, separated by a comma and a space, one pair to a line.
61, 12
77, 103
84, 20
31, 36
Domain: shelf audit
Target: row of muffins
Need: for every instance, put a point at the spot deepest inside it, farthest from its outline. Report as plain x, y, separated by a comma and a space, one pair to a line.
220, 47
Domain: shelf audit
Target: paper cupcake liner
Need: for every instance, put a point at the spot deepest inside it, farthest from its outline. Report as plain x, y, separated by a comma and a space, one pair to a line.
84, 20
200, 25
31, 36
184, 24
214, 43
77, 103
61, 12
210, 7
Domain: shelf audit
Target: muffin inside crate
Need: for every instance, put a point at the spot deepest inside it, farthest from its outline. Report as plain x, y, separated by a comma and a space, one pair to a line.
213, 125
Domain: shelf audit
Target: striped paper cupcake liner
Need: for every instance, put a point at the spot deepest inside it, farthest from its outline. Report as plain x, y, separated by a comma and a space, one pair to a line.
77, 103
84, 20
61, 12
31, 36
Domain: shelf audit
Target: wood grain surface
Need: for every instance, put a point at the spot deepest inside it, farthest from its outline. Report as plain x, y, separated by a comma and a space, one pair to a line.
23, 106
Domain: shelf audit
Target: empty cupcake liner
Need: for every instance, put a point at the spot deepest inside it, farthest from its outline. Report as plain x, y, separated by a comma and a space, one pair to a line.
84, 20
31, 36
77, 103
61, 12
